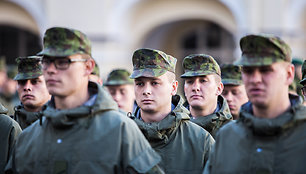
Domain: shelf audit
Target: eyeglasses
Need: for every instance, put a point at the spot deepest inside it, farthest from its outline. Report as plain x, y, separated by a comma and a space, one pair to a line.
59, 63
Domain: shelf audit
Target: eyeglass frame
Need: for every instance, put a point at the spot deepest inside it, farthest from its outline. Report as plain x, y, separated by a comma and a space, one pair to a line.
53, 60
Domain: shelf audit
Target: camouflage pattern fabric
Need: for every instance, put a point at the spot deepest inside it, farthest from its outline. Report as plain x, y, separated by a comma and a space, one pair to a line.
200, 65
28, 67
151, 63
262, 50
303, 73
62, 42
118, 77
231, 74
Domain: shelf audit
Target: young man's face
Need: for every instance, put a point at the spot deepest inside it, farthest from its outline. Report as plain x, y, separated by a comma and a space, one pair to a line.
264, 84
69, 81
123, 95
236, 96
33, 93
154, 94
201, 91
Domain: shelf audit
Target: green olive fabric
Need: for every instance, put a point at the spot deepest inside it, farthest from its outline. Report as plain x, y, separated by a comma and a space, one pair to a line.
183, 146
23, 117
86, 139
213, 122
9, 131
258, 145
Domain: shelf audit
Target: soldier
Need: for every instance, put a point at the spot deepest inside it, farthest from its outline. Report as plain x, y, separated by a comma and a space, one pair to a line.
269, 136
234, 90
303, 81
161, 116
9, 131
203, 88
32, 90
81, 130
121, 88
95, 75
295, 86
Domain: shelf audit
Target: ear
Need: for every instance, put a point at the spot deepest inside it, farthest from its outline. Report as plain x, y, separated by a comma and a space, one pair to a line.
174, 87
290, 74
90, 65
220, 88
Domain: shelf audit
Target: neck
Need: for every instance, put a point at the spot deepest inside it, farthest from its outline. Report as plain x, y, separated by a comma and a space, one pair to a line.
203, 111
149, 117
71, 101
273, 110
29, 109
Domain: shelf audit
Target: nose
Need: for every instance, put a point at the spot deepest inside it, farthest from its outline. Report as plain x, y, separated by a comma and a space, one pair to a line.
147, 90
229, 97
117, 97
255, 77
196, 86
27, 86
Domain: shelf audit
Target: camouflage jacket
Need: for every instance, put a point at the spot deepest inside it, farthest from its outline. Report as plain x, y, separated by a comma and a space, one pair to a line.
213, 122
9, 131
183, 145
87, 139
258, 145
25, 118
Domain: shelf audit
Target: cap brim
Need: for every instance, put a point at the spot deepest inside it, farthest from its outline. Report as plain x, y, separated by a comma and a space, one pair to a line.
257, 61
26, 76
147, 73
232, 82
52, 52
117, 82
303, 81
197, 73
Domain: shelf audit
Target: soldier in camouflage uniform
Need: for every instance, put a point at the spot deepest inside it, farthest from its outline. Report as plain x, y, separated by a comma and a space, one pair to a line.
161, 116
295, 86
121, 87
270, 134
203, 88
234, 90
81, 130
32, 90
9, 131
303, 81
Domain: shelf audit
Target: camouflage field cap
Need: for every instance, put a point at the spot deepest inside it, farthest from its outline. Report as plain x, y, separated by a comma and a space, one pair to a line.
262, 50
118, 77
303, 73
231, 74
151, 63
28, 67
297, 61
200, 65
62, 42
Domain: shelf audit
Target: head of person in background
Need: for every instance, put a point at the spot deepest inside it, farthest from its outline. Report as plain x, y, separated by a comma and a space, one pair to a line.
31, 85
121, 88
202, 84
234, 90
9, 88
32, 90
295, 86
303, 81
95, 75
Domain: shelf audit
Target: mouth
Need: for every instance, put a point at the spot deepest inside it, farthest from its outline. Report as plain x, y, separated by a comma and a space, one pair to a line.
196, 97
51, 82
232, 107
27, 96
147, 101
256, 91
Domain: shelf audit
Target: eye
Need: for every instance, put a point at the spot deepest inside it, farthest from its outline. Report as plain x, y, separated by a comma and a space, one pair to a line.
265, 69
34, 81
189, 81
139, 83
203, 80
155, 83
62, 62
247, 70
22, 82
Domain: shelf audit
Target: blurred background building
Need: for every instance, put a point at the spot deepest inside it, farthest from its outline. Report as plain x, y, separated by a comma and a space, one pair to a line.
178, 27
